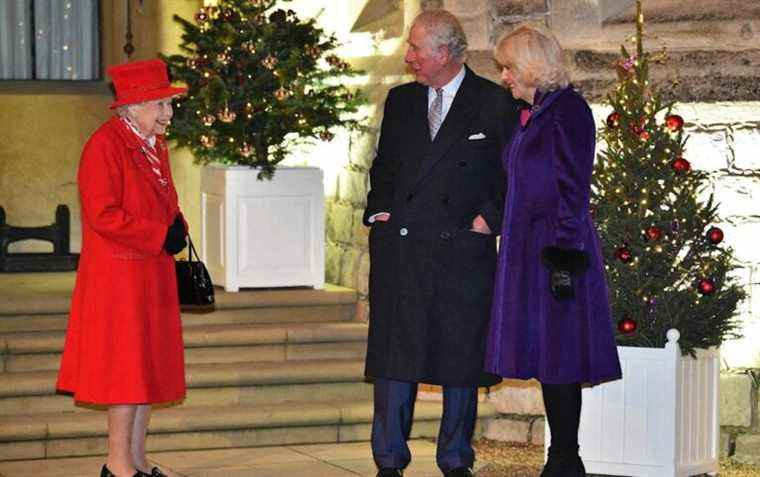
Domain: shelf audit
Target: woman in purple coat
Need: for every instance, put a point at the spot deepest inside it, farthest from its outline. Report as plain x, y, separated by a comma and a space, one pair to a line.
550, 314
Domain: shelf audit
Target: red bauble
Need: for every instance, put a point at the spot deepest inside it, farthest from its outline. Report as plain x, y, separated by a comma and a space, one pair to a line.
653, 233
623, 254
706, 286
681, 165
715, 235
627, 326
674, 122
638, 128
644, 136
613, 120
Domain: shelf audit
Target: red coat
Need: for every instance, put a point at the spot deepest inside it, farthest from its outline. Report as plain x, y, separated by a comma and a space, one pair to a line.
124, 338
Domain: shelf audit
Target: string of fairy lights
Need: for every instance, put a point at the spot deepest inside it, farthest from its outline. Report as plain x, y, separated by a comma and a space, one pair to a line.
259, 80
661, 244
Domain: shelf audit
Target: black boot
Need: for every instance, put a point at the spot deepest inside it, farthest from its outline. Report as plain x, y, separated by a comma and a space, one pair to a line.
563, 413
563, 463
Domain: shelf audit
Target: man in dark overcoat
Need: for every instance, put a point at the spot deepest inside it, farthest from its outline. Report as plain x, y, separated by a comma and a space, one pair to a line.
435, 204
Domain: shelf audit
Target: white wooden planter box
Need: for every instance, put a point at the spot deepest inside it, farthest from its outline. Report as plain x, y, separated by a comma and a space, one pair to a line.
660, 420
263, 233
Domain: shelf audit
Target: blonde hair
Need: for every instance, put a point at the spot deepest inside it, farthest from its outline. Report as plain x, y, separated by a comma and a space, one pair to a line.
535, 56
443, 29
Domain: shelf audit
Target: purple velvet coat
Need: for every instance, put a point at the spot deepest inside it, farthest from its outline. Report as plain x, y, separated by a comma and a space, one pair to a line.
533, 334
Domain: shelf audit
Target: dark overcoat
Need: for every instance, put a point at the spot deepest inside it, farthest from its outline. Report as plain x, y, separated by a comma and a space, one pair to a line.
431, 278
533, 334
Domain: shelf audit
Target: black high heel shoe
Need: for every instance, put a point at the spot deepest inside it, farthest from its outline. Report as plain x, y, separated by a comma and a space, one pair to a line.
154, 472
104, 472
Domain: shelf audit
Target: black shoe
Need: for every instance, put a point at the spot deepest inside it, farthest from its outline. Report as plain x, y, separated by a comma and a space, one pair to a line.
459, 472
390, 472
104, 472
563, 463
154, 472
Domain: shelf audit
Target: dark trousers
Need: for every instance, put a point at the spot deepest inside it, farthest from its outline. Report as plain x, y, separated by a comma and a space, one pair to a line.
392, 423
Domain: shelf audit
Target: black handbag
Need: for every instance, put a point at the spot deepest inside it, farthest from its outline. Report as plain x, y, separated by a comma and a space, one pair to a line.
194, 285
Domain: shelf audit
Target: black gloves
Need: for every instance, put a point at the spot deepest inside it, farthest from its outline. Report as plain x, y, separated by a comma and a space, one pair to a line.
175, 237
563, 263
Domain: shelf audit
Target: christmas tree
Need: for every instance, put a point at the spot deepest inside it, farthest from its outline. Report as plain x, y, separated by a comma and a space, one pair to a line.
666, 264
260, 80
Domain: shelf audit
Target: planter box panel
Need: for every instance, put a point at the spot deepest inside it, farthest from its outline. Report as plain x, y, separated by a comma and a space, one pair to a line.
263, 233
212, 238
699, 396
275, 244
660, 420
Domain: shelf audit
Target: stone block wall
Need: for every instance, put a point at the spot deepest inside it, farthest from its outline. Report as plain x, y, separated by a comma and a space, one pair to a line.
739, 417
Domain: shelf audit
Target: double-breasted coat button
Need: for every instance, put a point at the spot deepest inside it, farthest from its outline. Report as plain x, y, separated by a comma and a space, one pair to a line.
445, 235
403, 232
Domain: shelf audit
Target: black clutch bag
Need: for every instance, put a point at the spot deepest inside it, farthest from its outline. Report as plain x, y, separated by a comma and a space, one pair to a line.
194, 285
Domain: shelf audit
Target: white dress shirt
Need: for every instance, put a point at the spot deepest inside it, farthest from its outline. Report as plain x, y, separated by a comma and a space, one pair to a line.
449, 92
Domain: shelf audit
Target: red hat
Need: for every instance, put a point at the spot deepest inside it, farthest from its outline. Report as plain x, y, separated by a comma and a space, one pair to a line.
141, 81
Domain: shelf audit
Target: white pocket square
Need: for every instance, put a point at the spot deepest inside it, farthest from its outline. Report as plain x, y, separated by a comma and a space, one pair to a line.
475, 137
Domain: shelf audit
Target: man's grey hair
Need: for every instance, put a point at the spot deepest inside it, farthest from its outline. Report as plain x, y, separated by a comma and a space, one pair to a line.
443, 29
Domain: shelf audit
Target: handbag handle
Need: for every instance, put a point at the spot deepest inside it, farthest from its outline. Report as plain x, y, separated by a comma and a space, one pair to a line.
191, 251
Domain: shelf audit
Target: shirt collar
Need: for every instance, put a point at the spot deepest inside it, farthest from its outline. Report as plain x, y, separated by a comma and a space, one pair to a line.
451, 88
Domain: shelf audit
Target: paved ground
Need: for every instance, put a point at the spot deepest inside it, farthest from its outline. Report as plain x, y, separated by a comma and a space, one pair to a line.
329, 460
334, 460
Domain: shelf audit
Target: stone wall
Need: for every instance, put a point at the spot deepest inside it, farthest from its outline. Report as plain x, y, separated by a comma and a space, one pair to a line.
740, 416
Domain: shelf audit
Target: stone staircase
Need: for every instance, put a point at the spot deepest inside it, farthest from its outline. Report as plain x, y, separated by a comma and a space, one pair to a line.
264, 368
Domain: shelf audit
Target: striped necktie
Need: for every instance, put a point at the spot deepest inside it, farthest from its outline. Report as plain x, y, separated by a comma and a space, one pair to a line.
435, 115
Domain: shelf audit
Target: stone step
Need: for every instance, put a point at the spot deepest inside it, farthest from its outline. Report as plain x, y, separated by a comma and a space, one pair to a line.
212, 396
209, 335
226, 354
188, 427
261, 314
50, 294
259, 306
40, 351
214, 375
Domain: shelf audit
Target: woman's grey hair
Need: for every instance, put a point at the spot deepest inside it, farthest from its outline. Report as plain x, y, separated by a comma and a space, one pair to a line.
443, 29
123, 111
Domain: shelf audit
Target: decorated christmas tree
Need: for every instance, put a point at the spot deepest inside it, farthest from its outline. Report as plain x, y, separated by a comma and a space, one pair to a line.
260, 80
667, 265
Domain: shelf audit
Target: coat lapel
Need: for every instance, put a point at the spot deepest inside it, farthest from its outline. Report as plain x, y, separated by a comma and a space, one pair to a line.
463, 110
138, 157
546, 102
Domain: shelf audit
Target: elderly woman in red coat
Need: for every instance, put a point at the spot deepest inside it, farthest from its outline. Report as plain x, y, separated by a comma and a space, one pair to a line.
550, 315
124, 340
